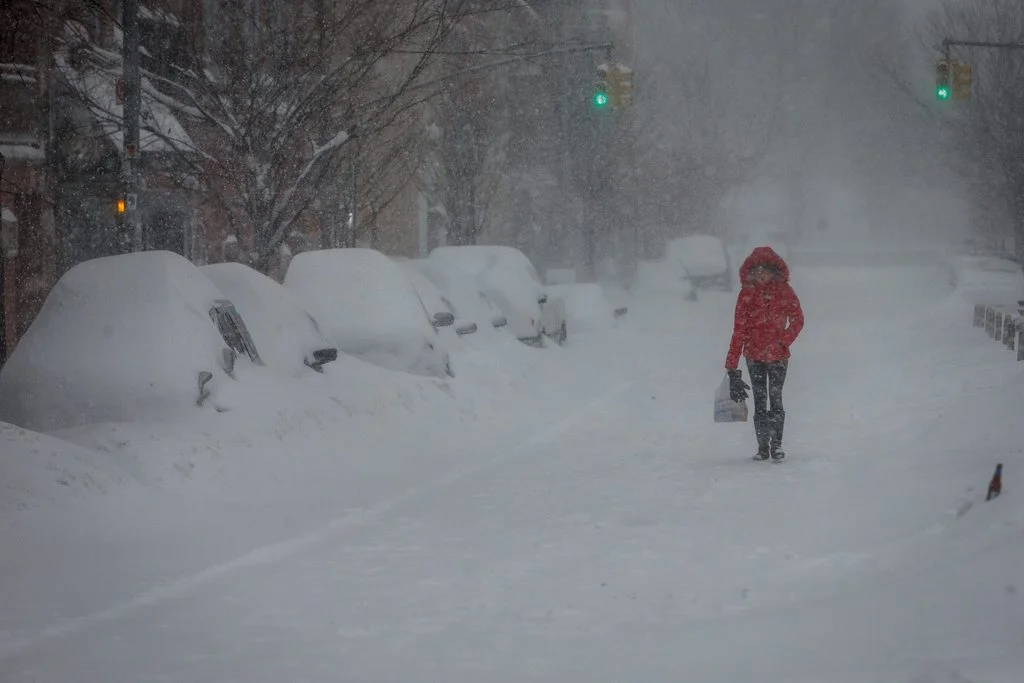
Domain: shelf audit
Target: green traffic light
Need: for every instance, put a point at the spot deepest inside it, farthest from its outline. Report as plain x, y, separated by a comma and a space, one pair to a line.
942, 93
600, 99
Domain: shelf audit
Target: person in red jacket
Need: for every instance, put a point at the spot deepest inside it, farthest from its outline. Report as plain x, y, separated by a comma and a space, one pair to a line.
768, 320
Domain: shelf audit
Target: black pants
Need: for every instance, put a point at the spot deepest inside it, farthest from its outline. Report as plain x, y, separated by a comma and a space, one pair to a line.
766, 381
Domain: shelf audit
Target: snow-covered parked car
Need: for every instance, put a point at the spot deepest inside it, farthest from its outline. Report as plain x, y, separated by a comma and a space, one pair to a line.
586, 307
462, 293
287, 336
506, 275
365, 303
136, 337
440, 309
702, 259
659, 278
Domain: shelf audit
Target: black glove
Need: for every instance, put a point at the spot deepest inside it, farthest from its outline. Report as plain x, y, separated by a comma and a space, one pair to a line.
737, 387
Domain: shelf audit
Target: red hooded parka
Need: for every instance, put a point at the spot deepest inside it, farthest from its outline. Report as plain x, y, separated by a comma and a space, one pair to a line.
768, 316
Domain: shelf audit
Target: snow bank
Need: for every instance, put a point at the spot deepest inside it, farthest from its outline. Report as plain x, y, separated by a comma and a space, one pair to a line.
38, 470
120, 338
285, 334
587, 308
366, 304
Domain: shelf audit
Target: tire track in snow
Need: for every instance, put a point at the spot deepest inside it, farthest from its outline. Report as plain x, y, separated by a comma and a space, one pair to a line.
277, 552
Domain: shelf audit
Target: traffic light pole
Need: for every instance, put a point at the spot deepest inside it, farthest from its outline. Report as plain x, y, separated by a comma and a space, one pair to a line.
959, 86
3, 284
947, 43
131, 155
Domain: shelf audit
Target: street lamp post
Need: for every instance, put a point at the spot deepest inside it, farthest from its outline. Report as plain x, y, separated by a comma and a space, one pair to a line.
3, 259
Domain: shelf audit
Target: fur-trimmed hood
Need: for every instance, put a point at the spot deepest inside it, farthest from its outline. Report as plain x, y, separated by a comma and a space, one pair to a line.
764, 256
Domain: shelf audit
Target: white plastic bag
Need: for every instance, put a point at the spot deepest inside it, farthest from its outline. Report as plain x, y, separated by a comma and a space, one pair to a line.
726, 409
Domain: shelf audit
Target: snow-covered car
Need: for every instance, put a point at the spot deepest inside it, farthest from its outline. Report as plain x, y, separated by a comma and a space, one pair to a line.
288, 337
702, 259
365, 303
462, 293
661, 277
440, 309
987, 279
136, 337
586, 307
511, 281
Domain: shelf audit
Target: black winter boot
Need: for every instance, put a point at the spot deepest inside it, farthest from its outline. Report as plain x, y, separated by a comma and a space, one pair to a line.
763, 428
778, 423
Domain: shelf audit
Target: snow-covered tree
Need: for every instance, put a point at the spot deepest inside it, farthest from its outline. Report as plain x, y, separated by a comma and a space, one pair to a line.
278, 97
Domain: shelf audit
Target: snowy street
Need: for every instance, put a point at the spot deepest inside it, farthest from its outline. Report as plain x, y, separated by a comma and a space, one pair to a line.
629, 538
545, 341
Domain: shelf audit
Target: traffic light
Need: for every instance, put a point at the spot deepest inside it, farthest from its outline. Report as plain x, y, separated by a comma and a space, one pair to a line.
120, 206
942, 84
620, 86
600, 99
614, 87
963, 77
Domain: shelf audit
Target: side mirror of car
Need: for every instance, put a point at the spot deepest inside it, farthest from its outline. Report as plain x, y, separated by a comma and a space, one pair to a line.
205, 377
227, 361
444, 319
321, 357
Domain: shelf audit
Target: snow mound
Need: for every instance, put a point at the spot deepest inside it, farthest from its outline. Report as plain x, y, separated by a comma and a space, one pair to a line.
36, 469
366, 304
587, 308
120, 338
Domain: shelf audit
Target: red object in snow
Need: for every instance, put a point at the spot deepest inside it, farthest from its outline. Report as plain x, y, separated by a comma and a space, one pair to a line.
768, 316
995, 487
